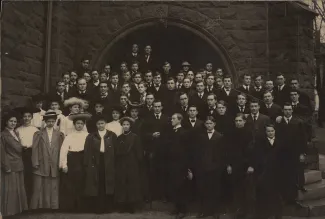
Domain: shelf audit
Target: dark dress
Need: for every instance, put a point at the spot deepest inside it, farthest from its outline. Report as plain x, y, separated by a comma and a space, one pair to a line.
129, 155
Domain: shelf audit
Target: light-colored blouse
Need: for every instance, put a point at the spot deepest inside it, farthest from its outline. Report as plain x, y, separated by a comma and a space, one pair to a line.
67, 127
26, 134
37, 120
115, 127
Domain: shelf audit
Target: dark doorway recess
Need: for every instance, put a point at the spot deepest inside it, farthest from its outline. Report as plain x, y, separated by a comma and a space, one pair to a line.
171, 43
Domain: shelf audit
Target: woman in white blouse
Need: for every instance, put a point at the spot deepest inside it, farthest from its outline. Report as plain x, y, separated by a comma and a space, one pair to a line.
54, 104
115, 125
71, 163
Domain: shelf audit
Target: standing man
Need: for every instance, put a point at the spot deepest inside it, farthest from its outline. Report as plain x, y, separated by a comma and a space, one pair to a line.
199, 98
210, 88
81, 92
227, 94
159, 90
240, 107
166, 72
134, 56
147, 60
258, 89
269, 108
281, 92
246, 88
183, 106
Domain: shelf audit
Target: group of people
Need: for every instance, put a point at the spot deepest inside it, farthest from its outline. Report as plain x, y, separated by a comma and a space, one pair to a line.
106, 141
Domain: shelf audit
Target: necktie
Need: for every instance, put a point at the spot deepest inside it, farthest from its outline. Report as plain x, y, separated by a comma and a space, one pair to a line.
255, 118
288, 120
179, 86
175, 129
201, 95
279, 88
157, 116
241, 109
294, 106
184, 108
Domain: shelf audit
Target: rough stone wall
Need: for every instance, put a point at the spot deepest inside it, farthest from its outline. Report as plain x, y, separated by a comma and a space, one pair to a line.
22, 44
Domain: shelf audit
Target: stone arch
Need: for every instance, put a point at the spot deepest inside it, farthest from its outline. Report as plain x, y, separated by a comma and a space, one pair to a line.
185, 18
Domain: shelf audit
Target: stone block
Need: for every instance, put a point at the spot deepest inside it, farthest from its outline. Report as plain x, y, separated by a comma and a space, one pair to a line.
211, 12
251, 12
228, 13
257, 36
133, 13
314, 191
312, 176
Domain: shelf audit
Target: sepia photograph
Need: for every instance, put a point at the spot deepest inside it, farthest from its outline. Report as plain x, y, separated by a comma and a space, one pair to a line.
162, 109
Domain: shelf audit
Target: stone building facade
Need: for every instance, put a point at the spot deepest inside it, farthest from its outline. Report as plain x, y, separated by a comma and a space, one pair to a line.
247, 37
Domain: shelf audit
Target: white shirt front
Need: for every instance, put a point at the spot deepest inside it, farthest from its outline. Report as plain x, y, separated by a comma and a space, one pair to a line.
287, 119
227, 91
49, 134
210, 134
26, 134
102, 143
193, 123
271, 140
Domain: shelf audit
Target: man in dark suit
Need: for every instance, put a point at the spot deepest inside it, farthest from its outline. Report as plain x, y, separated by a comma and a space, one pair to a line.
84, 66
171, 97
258, 90
147, 108
159, 90
211, 107
93, 86
256, 121
179, 80
281, 92
104, 95
148, 61
227, 94
148, 78
73, 80
167, 73
81, 92
291, 131
134, 56
240, 107
269, 108
192, 123
199, 98
210, 88
304, 99
114, 88
246, 88
59, 92
183, 106
154, 130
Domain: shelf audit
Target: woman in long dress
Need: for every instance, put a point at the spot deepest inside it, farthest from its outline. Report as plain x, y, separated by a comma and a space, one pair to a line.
129, 155
45, 160
71, 163
13, 195
115, 125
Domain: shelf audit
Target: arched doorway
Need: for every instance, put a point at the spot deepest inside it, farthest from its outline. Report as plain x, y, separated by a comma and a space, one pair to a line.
173, 40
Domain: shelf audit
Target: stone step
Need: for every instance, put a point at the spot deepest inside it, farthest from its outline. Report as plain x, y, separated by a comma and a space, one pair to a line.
314, 191
316, 207
312, 176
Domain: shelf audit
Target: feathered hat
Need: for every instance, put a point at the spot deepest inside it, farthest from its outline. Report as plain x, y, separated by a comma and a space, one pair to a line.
74, 101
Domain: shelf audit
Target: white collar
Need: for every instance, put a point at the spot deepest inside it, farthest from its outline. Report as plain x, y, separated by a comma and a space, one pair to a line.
271, 139
192, 119
49, 129
295, 104
257, 115
159, 114
288, 118
211, 131
281, 86
178, 126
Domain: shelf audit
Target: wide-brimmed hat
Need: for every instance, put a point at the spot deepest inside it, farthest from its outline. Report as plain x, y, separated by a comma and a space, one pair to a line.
74, 101
129, 119
81, 116
50, 114
117, 108
135, 105
186, 63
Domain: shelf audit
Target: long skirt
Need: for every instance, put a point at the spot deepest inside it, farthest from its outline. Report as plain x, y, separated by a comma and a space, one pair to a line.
13, 194
72, 183
45, 192
28, 172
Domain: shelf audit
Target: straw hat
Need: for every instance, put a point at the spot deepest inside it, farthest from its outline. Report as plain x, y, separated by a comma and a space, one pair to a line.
186, 63
81, 116
74, 101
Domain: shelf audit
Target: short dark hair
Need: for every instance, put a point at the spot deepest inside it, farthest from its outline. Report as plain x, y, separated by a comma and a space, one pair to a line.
254, 101
212, 94
114, 74
157, 73
287, 104
157, 101
171, 79
227, 76
179, 116
268, 92
59, 81
294, 91
221, 102
211, 118
279, 74
241, 115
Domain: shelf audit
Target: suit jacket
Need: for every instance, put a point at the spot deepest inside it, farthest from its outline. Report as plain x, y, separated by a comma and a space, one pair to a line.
257, 128
241, 89
179, 109
272, 112
281, 96
130, 58
258, 93
200, 103
209, 112
229, 99
301, 111
169, 101
11, 152
145, 111
214, 90
199, 124
55, 95
149, 64
235, 109
159, 93
88, 95
46, 155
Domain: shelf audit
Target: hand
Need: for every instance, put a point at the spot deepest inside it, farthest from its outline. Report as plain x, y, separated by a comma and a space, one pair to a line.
189, 174
36, 167
8, 171
250, 170
229, 170
302, 158
65, 169
156, 134
278, 119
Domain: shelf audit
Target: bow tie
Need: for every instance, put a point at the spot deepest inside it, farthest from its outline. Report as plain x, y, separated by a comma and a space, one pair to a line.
156, 85
210, 132
192, 120
227, 89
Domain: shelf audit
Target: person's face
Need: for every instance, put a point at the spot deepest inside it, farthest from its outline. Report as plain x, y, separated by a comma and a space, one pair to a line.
107, 69
147, 49
239, 122
135, 48
95, 75
190, 75
183, 100
287, 111
134, 113
219, 73
294, 84
227, 82
175, 121
157, 107
186, 68
116, 115
55, 106
221, 109
241, 100
87, 77
73, 76
27, 118
115, 79
198, 78
82, 85
127, 76
180, 77
66, 78
208, 67
123, 67
269, 85
280, 80
171, 85
270, 132
75, 109
39, 104
204, 75
86, 105
268, 98
219, 82
210, 80
148, 77
137, 78
60, 87
211, 101
200, 87
126, 88
294, 96
123, 100
79, 125
187, 83
149, 100
12, 122
103, 77
141, 88
254, 107
247, 80
135, 67
103, 88
126, 126
157, 79
192, 112
99, 108
209, 125
85, 64
166, 68
50, 123
100, 125
258, 81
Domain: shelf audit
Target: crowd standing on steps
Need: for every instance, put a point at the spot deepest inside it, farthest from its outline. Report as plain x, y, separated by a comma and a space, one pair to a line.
104, 141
